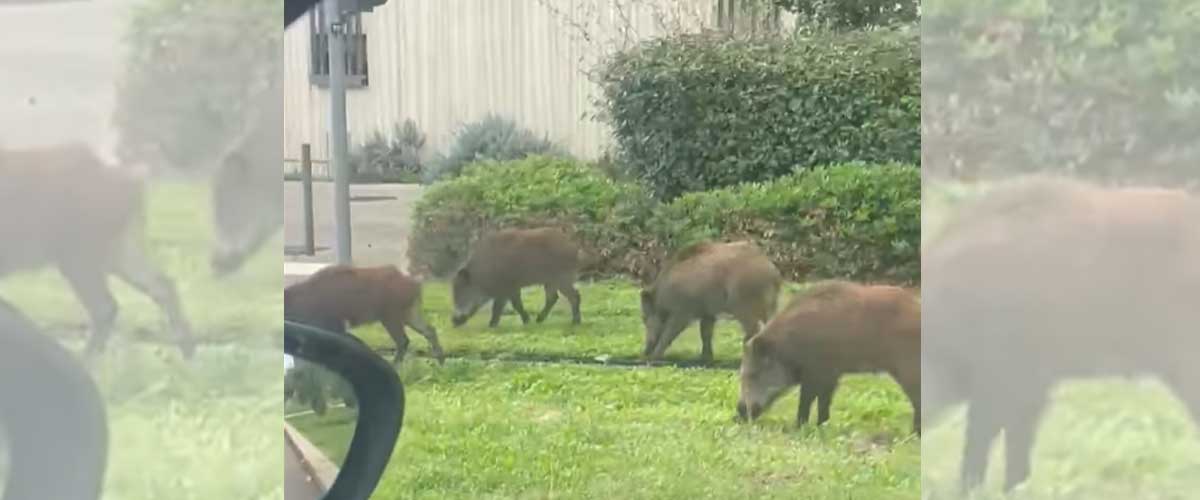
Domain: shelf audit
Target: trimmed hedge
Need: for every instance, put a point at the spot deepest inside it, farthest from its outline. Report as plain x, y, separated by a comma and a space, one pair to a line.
851, 221
696, 112
604, 215
854, 221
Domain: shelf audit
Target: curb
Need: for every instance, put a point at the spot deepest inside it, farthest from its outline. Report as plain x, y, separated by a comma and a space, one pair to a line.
322, 471
302, 269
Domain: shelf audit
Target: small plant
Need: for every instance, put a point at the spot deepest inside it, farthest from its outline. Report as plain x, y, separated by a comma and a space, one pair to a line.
394, 158
493, 138
312, 385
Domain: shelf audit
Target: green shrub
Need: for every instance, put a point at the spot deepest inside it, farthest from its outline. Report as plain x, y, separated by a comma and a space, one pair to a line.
312, 385
696, 112
492, 138
1077, 87
846, 221
602, 214
853, 14
394, 158
849, 221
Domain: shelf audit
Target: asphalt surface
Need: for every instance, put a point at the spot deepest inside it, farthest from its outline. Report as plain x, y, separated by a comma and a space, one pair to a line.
380, 222
296, 483
58, 65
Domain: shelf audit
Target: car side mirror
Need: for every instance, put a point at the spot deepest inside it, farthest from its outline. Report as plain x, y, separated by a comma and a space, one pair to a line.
379, 399
59, 453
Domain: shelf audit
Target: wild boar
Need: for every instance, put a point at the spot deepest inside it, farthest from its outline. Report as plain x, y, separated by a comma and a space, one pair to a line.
831, 329
702, 281
504, 262
247, 197
337, 296
62, 206
1045, 279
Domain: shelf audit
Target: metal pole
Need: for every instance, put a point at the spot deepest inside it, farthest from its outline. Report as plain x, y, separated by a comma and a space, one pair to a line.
337, 129
310, 243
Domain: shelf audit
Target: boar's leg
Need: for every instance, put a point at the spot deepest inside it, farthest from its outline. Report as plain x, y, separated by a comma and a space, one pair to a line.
519, 307
90, 287
909, 379
825, 389
808, 395
134, 268
675, 325
983, 424
1186, 389
707, 324
396, 331
1019, 431
551, 299
573, 297
417, 321
497, 309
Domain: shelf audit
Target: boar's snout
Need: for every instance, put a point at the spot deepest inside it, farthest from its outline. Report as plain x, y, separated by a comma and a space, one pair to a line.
224, 263
747, 413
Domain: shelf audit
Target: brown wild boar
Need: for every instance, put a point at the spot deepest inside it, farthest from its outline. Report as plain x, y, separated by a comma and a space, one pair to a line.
1045, 279
702, 281
62, 206
504, 262
831, 329
247, 198
337, 296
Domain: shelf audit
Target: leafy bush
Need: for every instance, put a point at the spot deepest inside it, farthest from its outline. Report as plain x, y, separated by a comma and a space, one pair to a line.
602, 214
1074, 86
177, 101
492, 138
846, 221
852, 14
851, 221
695, 112
312, 385
396, 158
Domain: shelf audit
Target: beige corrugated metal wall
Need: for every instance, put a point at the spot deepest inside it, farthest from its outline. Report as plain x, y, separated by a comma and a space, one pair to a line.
443, 63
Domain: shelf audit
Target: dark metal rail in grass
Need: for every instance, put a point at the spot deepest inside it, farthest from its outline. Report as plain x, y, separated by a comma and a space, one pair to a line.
533, 358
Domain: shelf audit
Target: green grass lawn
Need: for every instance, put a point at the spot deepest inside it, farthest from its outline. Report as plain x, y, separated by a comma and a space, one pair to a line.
198, 431
484, 426
1100, 440
478, 429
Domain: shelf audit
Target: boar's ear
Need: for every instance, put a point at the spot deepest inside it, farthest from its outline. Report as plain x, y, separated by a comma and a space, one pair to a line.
647, 297
759, 344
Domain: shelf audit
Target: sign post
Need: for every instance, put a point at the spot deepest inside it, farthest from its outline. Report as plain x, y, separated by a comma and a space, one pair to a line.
337, 129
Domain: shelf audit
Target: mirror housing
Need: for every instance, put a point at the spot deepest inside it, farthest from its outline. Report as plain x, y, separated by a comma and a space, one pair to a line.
380, 398
52, 454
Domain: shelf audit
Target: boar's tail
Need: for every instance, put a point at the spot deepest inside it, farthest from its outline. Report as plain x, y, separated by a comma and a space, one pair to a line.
773, 298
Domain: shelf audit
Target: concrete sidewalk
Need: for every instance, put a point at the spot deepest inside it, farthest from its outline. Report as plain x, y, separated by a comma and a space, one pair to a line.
380, 222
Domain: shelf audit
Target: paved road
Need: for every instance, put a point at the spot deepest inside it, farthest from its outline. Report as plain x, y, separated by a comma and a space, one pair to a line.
380, 220
296, 484
58, 63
